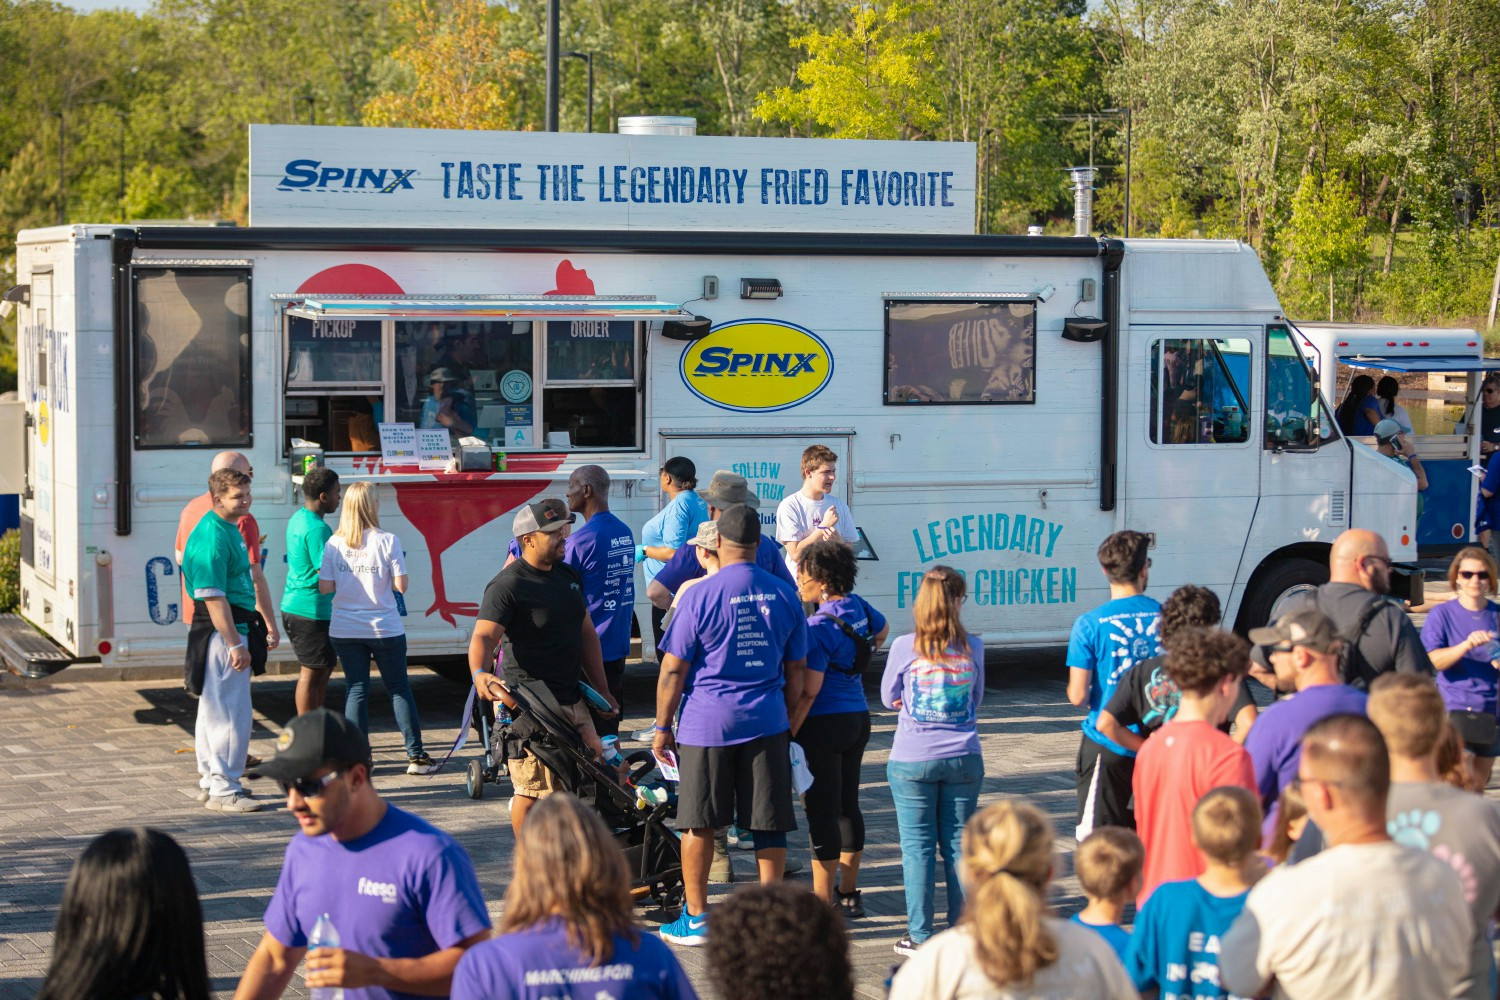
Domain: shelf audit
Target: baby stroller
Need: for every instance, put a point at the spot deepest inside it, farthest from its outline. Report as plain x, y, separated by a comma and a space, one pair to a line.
653, 852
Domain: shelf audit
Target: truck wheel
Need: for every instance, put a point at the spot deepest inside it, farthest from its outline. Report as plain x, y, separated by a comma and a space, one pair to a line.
1281, 583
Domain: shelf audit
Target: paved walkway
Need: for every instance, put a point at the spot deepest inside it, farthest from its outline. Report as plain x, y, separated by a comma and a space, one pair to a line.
80, 758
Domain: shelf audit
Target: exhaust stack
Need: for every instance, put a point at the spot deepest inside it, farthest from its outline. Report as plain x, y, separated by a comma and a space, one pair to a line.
1083, 200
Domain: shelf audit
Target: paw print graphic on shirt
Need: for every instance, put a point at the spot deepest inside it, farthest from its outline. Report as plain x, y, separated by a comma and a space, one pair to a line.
1414, 828
1460, 864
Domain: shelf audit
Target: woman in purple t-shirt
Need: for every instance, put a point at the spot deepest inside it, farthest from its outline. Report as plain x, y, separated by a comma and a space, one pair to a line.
935, 679
569, 925
1460, 637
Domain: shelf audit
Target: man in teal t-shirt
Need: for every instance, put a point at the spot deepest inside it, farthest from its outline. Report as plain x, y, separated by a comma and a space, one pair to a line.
304, 611
216, 569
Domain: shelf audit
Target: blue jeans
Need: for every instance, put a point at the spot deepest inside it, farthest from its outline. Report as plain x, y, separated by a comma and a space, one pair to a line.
934, 799
390, 658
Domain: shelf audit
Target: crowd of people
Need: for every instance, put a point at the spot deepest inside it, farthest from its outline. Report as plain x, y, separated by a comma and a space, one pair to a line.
1337, 842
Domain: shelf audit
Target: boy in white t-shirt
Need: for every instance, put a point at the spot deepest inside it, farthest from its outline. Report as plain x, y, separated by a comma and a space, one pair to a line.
813, 512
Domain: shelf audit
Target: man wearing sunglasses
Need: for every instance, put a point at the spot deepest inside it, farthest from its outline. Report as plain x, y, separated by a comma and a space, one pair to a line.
1365, 918
401, 893
1303, 648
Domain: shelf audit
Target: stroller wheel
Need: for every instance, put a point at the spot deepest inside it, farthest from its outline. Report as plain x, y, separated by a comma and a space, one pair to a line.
474, 780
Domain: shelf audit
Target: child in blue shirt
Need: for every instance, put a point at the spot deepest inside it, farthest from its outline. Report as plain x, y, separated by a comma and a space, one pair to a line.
1175, 947
1108, 864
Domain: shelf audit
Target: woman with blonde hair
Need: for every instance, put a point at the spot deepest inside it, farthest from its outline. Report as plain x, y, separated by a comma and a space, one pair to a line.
364, 568
568, 922
934, 678
1008, 945
1460, 637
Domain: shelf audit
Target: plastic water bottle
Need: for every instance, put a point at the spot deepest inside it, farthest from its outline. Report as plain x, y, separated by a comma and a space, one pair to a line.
325, 935
612, 751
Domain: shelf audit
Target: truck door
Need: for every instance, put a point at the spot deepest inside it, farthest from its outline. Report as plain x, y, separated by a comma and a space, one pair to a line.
1191, 467
38, 506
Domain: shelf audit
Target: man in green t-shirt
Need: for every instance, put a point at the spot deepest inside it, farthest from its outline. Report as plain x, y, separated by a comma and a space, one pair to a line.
304, 611
216, 569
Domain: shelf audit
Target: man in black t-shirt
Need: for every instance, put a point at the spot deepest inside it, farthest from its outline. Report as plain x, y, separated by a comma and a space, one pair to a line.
1146, 697
536, 605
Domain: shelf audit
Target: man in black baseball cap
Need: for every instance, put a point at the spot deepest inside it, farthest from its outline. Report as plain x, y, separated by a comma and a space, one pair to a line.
401, 894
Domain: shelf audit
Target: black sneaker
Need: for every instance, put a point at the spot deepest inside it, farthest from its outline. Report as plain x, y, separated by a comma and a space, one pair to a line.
851, 904
906, 947
420, 764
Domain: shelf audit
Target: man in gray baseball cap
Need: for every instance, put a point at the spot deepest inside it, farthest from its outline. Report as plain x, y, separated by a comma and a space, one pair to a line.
537, 602
725, 490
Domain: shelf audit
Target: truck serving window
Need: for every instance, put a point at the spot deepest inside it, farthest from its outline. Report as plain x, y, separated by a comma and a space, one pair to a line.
1198, 391
192, 357
955, 351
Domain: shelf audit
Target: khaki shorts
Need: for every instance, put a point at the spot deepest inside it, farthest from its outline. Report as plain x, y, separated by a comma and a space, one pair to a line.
529, 777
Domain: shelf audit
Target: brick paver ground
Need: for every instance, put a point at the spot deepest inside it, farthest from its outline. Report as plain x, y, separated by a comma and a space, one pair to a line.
80, 758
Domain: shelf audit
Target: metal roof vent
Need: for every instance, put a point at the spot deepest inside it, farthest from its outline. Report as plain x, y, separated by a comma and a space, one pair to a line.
1083, 200
656, 125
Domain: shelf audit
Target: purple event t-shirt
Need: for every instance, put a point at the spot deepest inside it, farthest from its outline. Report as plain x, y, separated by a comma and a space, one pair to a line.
831, 653
1469, 683
540, 963
683, 566
939, 701
735, 630
403, 890
603, 552
1275, 741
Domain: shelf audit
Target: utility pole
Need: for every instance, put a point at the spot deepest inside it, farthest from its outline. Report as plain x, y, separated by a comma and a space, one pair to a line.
553, 15
588, 58
62, 171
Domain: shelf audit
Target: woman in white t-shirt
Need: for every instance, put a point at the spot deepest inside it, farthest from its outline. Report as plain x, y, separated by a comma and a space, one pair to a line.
1007, 945
364, 568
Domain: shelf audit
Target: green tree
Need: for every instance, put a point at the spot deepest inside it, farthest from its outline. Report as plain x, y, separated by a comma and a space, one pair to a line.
870, 79
1326, 235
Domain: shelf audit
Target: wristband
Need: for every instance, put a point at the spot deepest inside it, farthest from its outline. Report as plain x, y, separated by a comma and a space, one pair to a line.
661, 729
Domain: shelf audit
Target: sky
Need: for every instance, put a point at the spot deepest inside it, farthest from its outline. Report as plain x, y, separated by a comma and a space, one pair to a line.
140, 6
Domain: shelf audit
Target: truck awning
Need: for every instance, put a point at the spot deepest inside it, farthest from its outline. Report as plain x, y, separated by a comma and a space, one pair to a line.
1430, 363
490, 307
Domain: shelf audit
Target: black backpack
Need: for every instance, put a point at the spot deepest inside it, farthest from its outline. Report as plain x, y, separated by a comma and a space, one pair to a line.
1351, 662
863, 648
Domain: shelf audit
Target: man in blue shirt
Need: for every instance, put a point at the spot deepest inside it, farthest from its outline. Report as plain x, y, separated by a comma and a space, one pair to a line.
603, 552
1105, 644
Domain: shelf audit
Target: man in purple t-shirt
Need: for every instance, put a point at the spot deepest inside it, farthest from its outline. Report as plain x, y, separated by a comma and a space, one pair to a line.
725, 490
603, 552
401, 894
1303, 647
734, 657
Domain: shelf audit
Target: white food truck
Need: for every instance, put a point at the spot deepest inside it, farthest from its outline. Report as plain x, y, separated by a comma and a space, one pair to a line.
998, 403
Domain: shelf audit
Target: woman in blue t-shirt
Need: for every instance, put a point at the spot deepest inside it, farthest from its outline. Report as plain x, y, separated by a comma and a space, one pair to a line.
569, 929
935, 679
831, 722
672, 526
1460, 637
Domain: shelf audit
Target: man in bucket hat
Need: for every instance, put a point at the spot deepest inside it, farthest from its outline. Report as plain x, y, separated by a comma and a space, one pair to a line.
402, 894
1303, 647
537, 602
725, 490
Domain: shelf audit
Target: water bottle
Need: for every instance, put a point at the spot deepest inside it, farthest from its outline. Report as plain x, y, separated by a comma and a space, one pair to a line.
612, 751
325, 935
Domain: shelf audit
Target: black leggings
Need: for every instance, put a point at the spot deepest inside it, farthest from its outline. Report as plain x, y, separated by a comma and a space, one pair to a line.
835, 747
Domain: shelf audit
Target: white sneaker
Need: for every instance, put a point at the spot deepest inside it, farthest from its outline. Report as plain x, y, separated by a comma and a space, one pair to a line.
239, 802
420, 764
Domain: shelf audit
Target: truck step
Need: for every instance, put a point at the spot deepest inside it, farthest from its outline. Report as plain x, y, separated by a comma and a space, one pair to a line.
27, 652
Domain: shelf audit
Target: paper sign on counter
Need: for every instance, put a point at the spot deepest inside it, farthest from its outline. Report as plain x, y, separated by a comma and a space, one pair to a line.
434, 451
398, 444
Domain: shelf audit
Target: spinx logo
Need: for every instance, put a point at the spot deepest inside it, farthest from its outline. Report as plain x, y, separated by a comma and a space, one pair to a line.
312, 175
724, 361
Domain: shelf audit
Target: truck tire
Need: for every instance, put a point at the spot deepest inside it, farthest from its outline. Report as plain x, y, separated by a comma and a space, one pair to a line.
1282, 581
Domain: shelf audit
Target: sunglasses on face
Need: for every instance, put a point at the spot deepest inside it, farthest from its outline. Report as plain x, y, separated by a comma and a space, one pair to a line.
309, 788
1469, 574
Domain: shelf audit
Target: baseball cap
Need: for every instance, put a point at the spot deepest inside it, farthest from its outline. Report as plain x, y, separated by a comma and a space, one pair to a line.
740, 525
312, 740
1387, 430
707, 537
442, 375
1308, 627
727, 489
550, 514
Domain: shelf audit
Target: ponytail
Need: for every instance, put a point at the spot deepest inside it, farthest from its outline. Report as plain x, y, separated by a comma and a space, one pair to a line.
1007, 862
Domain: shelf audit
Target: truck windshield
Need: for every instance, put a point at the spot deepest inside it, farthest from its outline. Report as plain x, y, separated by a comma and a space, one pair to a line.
1296, 416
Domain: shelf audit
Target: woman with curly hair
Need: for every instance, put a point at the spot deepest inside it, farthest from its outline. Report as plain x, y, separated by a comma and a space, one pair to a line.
568, 921
1007, 945
778, 941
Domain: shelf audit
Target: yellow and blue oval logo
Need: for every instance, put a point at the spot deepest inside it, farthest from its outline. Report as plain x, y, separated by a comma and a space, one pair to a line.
757, 365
